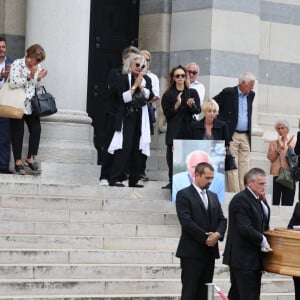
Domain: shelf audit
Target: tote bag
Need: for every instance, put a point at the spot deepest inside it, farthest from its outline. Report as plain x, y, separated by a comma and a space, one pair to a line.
12, 101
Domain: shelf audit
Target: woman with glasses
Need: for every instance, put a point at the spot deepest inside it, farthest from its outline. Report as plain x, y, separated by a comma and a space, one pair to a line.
27, 72
132, 127
179, 104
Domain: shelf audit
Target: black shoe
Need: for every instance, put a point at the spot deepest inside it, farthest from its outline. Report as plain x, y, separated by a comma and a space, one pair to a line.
143, 177
136, 185
20, 170
32, 168
117, 183
5, 171
168, 186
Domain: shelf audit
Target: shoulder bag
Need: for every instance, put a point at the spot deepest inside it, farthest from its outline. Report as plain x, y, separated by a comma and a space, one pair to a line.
12, 101
43, 104
230, 163
285, 177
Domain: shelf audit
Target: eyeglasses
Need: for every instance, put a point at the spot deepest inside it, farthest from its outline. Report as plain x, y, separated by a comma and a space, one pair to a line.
140, 66
179, 75
193, 72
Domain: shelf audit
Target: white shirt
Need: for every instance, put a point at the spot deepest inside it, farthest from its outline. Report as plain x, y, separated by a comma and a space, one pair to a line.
200, 191
2, 67
200, 88
155, 83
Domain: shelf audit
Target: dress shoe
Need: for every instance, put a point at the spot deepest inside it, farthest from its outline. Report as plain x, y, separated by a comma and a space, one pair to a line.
136, 185
117, 183
5, 171
168, 186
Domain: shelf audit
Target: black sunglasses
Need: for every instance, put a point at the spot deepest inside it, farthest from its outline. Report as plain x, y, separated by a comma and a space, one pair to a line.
140, 66
179, 75
193, 72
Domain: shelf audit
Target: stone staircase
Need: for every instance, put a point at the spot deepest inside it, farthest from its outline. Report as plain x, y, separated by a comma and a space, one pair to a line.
82, 241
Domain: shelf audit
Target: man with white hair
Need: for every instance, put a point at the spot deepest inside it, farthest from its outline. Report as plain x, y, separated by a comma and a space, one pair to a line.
235, 105
184, 179
194, 71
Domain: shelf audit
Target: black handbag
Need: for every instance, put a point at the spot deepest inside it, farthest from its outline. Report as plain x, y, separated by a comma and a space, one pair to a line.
43, 104
230, 163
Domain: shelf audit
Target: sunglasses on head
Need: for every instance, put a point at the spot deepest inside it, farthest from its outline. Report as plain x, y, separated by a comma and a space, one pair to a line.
140, 66
179, 75
193, 72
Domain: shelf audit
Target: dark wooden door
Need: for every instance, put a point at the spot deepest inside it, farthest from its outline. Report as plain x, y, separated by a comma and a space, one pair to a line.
113, 27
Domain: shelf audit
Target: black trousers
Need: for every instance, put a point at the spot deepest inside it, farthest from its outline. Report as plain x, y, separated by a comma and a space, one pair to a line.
143, 164
245, 285
107, 157
4, 143
17, 134
297, 287
195, 273
169, 158
282, 193
129, 155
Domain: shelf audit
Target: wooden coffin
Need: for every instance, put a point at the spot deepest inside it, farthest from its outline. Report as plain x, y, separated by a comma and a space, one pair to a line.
285, 257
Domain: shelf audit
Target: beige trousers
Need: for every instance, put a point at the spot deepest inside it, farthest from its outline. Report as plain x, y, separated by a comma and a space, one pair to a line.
240, 149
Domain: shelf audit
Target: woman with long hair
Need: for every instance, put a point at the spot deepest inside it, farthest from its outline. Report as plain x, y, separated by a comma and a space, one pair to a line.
132, 127
179, 104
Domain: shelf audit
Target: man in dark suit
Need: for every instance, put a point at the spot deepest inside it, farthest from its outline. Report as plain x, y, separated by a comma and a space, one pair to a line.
4, 122
203, 225
249, 216
235, 105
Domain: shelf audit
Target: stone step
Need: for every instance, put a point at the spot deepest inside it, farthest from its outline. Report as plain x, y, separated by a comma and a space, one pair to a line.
92, 229
109, 203
100, 217
107, 271
35, 185
118, 286
70, 256
87, 242
96, 271
264, 296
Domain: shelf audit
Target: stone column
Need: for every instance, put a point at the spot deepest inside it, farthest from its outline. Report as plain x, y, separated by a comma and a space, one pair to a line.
62, 28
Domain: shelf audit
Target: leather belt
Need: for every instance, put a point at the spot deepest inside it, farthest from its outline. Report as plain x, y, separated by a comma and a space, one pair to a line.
241, 131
